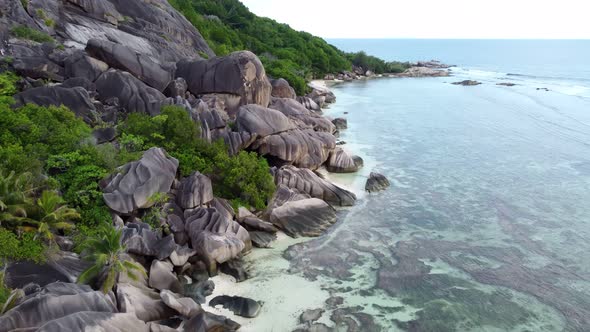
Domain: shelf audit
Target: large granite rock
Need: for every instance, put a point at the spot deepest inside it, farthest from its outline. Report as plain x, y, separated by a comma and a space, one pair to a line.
309, 104
48, 305
131, 188
194, 191
96, 321
237, 141
341, 162
65, 267
145, 242
122, 57
376, 182
282, 89
185, 306
262, 239
303, 148
81, 65
144, 302
133, 95
240, 306
235, 268
217, 248
208, 322
162, 276
301, 115
76, 99
262, 121
240, 74
306, 181
307, 217
340, 123
211, 220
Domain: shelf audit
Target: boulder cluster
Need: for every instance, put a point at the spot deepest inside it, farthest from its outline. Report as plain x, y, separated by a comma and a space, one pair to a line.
110, 58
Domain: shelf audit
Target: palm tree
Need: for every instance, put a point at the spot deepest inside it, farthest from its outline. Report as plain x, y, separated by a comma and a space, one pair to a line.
107, 253
53, 215
15, 192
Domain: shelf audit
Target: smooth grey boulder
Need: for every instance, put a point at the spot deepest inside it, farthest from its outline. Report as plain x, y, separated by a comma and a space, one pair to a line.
144, 302
194, 190
376, 182
211, 220
181, 255
321, 92
96, 321
303, 148
306, 118
341, 162
198, 291
240, 306
133, 95
255, 119
309, 104
162, 276
282, 195
176, 88
81, 65
262, 239
239, 73
223, 206
121, 57
256, 224
217, 248
45, 307
208, 322
234, 268
237, 141
76, 99
307, 217
185, 306
306, 181
66, 267
282, 89
136, 182
340, 123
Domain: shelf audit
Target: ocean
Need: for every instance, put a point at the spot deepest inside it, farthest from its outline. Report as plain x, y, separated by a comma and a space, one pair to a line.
486, 226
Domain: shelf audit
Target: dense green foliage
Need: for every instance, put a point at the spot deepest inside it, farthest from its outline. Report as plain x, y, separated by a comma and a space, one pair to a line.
376, 65
244, 178
229, 26
107, 254
24, 32
23, 247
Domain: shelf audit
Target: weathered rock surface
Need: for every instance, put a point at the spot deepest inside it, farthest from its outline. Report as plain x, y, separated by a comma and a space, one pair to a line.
76, 99
133, 95
205, 322
256, 224
79, 64
282, 89
341, 162
149, 243
162, 277
96, 321
211, 220
309, 104
240, 306
340, 123
122, 57
262, 121
240, 74
237, 141
66, 268
306, 181
234, 268
145, 303
35, 311
194, 190
307, 217
422, 72
376, 182
311, 315
217, 248
306, 118
131, 188
181, 255
262, 239
467, 83
185, 306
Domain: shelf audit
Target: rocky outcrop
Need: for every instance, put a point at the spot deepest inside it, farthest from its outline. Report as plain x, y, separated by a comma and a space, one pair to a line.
162, 276
306, 181
307, 217
210, 220
240, 306
135, 183
79, 64
262, 239
54, 303
185, 306
132, 94
76, 99
145, 303
194, 191
217, 248
123, 58
297, 112
341, 162
376, 182
422, 72
262, 121
240, 74
340, 123
309, 104
210, 322
282, 89
63, 267
96, 321
148, 243
467, 83
234, 268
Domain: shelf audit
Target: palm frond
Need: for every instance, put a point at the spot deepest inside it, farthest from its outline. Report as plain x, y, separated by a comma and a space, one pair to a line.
89, 274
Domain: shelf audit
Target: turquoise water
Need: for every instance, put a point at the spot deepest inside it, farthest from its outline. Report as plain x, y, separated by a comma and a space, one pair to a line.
487, 224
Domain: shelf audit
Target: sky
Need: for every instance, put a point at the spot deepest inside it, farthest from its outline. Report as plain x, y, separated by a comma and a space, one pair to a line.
557, 19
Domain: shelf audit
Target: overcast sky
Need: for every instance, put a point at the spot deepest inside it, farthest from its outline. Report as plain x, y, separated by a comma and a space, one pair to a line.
431, 18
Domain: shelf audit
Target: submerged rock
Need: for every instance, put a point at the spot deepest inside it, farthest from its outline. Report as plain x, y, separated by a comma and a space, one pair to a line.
467, 83
135, 183
307, 217
376, 182
240, 306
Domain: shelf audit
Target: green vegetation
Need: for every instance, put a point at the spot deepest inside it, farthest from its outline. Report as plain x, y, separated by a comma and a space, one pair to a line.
24, 32
21, 247
8, 81
229, 26
376, 65
108, 255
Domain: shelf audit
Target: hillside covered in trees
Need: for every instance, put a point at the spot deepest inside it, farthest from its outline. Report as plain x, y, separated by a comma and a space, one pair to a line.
296, 56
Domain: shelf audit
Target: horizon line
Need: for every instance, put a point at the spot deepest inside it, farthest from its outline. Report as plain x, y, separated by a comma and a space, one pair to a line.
455, 38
